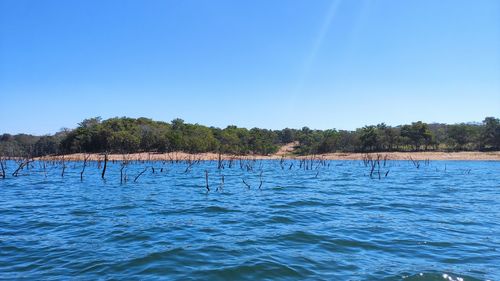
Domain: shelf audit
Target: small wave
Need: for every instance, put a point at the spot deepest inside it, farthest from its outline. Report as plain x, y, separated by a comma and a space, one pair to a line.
259, 270
302, 237
281, 220
433, 277
218, 209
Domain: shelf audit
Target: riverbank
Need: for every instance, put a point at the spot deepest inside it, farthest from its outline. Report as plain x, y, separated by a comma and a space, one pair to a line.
175, 156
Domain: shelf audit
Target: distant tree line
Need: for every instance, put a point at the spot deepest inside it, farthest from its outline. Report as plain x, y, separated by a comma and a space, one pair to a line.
129, 135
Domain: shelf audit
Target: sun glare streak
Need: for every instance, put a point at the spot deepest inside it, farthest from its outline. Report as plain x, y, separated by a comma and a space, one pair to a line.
318, 42
356, 27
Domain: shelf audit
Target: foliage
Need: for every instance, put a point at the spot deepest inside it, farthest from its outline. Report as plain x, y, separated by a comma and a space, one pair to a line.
128, 135
491, 133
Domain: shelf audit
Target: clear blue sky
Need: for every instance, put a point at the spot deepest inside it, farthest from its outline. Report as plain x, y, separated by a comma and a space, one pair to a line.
252, 63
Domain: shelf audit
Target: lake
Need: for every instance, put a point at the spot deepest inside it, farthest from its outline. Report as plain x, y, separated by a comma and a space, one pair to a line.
325, 221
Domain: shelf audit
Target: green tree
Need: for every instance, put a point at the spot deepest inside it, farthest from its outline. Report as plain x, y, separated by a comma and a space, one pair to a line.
46, 145
418, 134
286, 135
329, 142
122, 135
459, 135
230, 141
262, 141
369, 138
198, 138
491, 133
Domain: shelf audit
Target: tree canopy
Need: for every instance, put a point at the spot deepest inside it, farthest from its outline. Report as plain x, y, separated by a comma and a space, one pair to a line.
129, 135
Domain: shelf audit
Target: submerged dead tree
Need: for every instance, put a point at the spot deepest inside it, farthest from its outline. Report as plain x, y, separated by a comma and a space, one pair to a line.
245, 183
260, 178
105, 165
416, 163
2, 165
123, 177
21, 166
140, 174
206, 180
44, 168
219, 161
84, 166
221, 186
63, 167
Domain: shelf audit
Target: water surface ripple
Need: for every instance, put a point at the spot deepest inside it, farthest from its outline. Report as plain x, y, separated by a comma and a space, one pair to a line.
331, 222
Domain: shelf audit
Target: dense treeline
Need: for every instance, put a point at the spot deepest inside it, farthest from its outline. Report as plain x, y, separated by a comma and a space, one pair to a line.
128, 135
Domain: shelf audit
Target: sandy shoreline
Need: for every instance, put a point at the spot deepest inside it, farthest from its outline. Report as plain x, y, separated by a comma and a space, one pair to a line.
465, 155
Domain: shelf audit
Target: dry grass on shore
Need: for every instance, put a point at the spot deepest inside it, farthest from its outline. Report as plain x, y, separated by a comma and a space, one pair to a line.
465, 155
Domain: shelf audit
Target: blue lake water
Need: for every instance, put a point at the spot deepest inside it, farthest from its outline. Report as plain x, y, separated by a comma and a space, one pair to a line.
332, 222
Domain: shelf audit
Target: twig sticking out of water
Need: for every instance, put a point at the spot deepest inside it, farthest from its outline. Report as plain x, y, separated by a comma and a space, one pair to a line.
123, 178
44, 169
206, 181
221, 186
84, 165
219, 161
246, 183
378, 164
23, 164
105, 165
140, 174
372, 163
190, 164
367, 159
416, 163
63, 167
3, 168
260, 177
